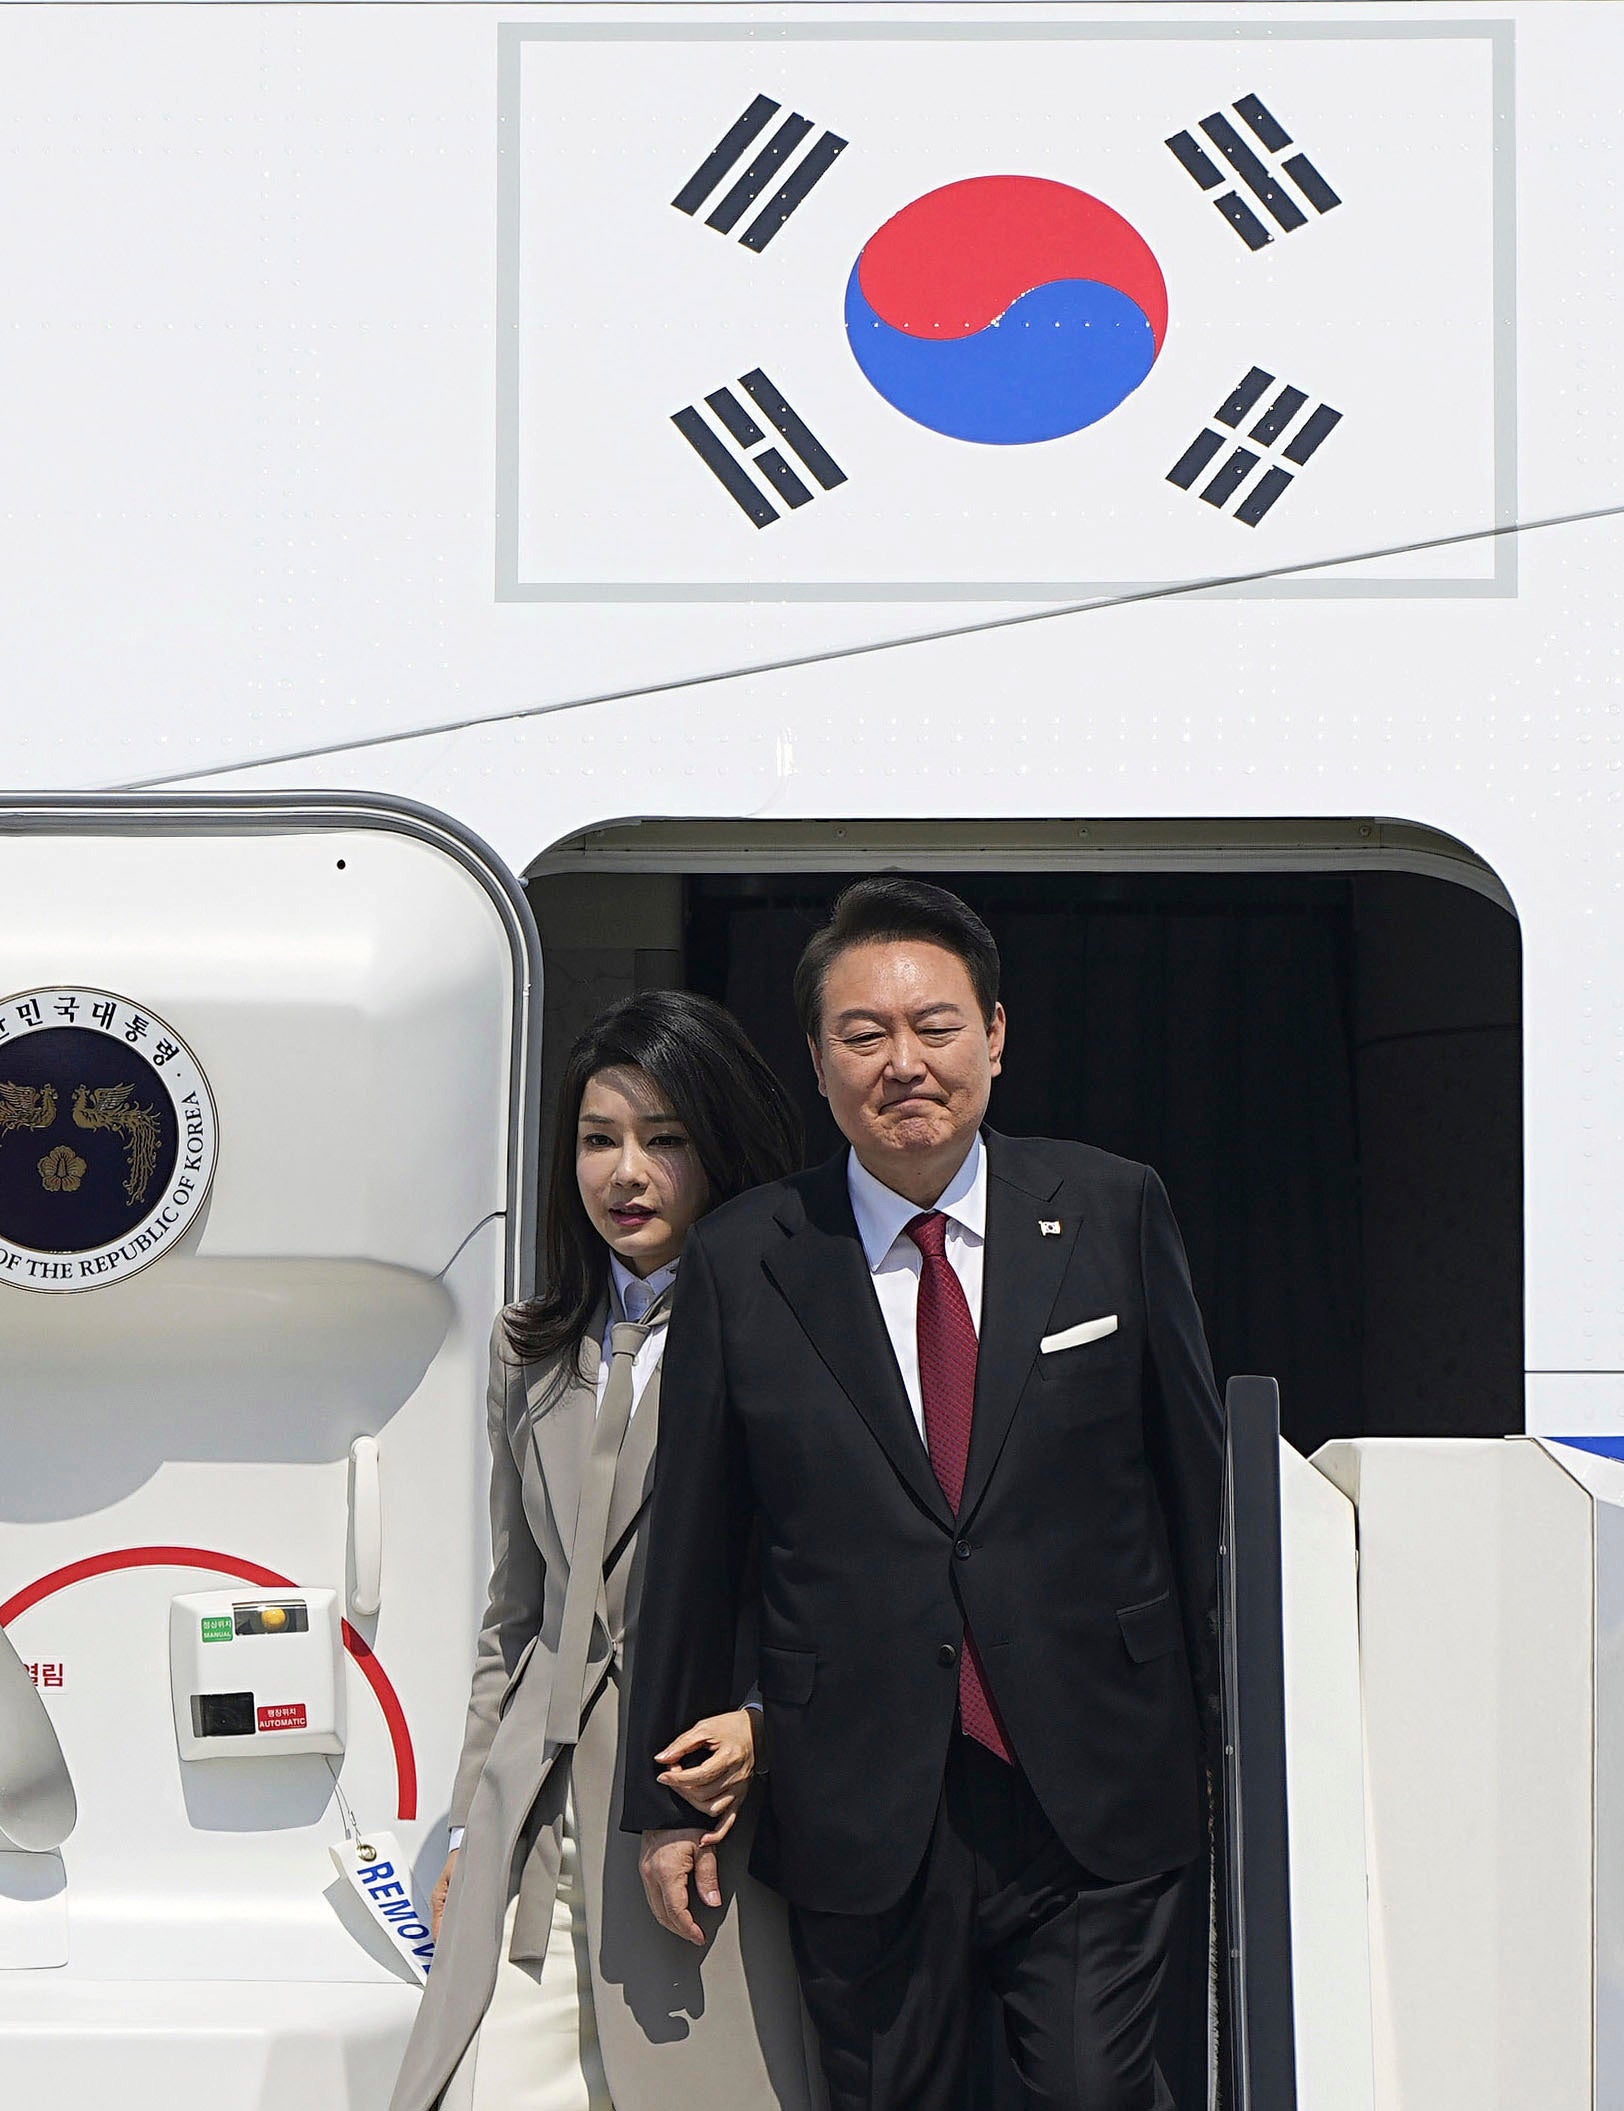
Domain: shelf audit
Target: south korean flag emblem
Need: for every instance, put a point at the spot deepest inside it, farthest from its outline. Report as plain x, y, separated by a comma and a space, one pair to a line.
810, 306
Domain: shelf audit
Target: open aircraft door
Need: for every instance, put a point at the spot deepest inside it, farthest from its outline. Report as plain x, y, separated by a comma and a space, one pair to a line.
266, 1171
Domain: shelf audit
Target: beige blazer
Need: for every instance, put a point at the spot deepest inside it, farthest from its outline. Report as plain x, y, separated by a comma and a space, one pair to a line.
680, 2029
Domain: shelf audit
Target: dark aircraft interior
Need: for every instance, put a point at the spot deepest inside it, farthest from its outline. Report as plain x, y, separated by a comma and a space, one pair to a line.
1324, 1066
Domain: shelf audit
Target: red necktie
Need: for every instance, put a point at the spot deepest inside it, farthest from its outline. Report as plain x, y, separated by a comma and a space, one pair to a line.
947, 1385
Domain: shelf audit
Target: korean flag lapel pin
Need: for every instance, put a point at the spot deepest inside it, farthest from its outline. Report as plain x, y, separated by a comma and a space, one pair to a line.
1049, 1227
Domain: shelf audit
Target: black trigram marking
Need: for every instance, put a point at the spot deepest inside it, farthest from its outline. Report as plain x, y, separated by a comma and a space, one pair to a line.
1266, 180
768, 162
731, 468
1278, 435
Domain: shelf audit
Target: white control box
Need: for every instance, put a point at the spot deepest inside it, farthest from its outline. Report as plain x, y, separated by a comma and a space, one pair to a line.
256, 1673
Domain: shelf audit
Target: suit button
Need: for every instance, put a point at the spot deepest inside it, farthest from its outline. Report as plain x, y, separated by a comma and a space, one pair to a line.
963, 1550
947, 1656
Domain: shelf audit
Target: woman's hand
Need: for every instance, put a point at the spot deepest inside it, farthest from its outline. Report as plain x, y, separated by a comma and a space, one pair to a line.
437, 1897
720, 1756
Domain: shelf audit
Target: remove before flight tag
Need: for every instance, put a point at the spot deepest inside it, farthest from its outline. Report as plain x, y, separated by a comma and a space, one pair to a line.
380, 1876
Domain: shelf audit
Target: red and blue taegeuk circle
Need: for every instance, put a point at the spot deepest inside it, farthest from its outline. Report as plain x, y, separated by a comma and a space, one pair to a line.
1006, 309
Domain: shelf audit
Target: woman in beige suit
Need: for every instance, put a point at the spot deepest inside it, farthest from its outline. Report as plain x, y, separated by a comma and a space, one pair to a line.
553, 1988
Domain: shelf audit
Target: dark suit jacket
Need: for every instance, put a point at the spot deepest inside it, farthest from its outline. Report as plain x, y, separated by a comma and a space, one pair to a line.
1083, 1554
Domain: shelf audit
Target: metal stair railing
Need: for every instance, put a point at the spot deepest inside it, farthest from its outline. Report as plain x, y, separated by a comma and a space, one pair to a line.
1257, 2042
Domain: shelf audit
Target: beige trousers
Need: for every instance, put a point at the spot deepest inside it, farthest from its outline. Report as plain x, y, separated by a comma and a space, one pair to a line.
537, 2048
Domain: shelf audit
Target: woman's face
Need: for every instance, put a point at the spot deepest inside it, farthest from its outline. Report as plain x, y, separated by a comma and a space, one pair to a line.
639, 1174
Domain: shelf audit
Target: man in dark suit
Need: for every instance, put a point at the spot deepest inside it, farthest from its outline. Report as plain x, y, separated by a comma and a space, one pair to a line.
953, 1390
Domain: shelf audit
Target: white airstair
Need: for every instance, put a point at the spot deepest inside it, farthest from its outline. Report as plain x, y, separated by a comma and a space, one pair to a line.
242, 1547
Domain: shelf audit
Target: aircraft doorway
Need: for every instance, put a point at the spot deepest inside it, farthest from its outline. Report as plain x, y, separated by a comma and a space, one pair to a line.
1324, 1064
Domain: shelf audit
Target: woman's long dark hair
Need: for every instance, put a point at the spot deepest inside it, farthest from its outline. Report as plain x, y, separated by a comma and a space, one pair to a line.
739, 1119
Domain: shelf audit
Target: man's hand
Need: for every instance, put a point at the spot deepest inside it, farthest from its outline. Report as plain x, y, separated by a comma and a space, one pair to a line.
666, 1863
437, 1897
710, 1767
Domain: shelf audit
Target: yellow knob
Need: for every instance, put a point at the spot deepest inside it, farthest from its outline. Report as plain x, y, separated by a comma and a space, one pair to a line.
273, 1618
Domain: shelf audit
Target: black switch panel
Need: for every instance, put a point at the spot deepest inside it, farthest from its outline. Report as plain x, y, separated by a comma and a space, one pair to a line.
222, 1715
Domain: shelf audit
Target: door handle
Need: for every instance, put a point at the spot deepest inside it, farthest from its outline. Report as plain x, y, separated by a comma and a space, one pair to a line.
365, 1581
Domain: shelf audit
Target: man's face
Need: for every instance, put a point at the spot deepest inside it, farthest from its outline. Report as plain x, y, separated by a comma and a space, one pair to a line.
904, 1057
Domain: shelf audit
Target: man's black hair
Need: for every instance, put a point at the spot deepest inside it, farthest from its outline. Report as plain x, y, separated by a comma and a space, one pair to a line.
883, 911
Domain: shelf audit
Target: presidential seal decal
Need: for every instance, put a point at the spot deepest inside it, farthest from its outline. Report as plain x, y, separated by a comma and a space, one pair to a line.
107, 1138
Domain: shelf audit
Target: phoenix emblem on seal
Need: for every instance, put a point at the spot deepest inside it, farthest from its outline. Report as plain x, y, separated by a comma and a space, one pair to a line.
26, 1107
137, 1128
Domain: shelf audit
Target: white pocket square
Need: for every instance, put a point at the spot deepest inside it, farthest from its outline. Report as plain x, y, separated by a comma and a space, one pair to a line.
1074, 1337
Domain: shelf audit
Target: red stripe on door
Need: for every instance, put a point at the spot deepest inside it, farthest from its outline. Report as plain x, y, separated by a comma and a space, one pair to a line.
394, 1715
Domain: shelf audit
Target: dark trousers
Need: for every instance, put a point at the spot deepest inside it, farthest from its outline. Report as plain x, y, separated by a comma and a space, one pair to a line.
1075, 1964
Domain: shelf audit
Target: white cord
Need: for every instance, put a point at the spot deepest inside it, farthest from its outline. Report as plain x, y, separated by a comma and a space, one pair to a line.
351, 1831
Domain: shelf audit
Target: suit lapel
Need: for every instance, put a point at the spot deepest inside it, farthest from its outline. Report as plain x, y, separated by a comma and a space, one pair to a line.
823, 1273
563, 1405
1021, 1279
